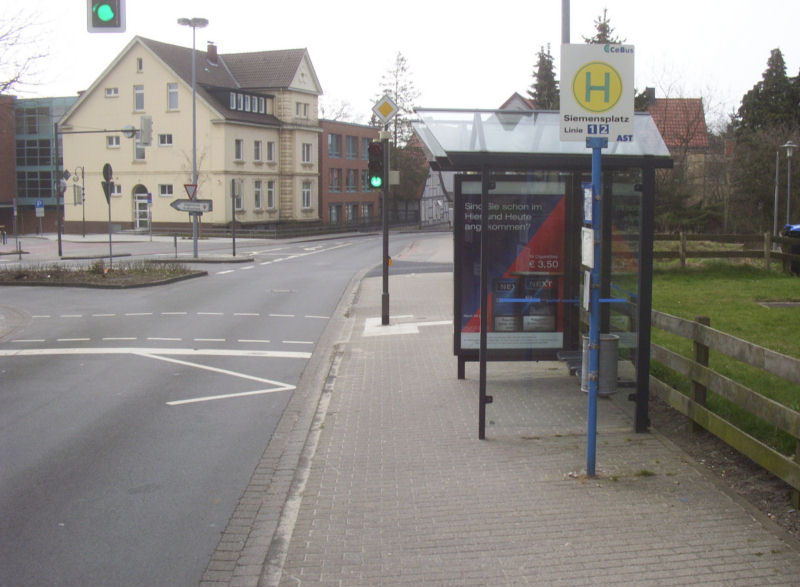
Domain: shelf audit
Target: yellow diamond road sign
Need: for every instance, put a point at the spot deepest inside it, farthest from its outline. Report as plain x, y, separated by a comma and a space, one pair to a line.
385, 109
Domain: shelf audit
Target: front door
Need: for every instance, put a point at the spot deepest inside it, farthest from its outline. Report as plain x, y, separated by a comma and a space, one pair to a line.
141, 212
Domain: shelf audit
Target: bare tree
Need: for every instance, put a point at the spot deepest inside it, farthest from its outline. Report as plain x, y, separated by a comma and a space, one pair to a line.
335, 109
20, 50
398, 85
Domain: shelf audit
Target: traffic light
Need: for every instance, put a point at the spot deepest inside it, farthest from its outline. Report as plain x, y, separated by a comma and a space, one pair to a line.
376, 165
106, 16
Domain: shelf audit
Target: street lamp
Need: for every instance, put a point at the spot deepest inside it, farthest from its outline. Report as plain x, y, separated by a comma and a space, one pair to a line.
790, 147
195, 23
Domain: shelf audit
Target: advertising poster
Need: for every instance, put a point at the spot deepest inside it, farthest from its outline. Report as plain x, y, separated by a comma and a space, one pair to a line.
525, 271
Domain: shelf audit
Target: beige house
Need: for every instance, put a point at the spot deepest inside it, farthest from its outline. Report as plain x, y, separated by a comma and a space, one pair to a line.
257, 138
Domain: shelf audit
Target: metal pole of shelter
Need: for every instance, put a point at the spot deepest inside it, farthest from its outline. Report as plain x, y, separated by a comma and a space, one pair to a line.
483, 399
596, 144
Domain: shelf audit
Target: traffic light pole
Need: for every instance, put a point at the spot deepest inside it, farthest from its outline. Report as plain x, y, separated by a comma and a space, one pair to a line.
385, 295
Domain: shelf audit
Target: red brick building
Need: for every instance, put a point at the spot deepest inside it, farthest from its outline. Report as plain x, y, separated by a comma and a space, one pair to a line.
8, 179
344, 192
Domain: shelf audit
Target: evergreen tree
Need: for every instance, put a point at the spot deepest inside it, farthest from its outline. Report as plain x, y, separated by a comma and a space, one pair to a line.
771, 102
604, 32
544, 90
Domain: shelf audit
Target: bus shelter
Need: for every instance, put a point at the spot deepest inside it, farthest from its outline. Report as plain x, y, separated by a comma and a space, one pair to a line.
525, 190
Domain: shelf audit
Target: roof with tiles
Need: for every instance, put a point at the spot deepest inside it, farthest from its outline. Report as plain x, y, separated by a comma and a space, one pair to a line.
681, 122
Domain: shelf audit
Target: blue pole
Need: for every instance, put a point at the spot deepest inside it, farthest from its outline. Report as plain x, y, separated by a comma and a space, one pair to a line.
596, 144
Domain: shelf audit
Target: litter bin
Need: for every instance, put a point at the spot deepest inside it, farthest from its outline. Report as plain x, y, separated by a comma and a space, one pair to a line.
793, 231
607, 371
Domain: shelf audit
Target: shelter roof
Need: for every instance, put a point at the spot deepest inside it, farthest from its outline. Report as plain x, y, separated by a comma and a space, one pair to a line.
525, 139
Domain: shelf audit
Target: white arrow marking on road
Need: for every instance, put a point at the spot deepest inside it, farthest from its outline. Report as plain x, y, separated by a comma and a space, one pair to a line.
156, 354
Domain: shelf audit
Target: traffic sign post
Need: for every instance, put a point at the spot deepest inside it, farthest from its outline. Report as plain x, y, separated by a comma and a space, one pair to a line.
597, 108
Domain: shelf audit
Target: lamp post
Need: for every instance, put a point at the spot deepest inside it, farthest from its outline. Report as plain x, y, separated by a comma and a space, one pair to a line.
790, 147
195, 23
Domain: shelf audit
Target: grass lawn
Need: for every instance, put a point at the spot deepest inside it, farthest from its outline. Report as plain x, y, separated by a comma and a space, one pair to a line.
731, 295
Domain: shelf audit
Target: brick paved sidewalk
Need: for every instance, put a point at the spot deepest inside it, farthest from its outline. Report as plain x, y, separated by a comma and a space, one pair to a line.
394, 488
401, 491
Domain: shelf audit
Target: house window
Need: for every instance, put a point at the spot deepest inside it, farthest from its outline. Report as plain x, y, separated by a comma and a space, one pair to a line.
352, 147
238, 150
112, 141
232, 104
165, 140
365, 149
335, 180
138, 98
239, 101
306, 194
236, 193
257, 194
270, 194
333, 212
116, 189
270, 151
351, 213
256, 150
112, 92
139, 65
352, 180
261, 106
138, 152
301, 110
165, 190
172, 96
365, 187
246, 103
306, 152
334, 145
366, 212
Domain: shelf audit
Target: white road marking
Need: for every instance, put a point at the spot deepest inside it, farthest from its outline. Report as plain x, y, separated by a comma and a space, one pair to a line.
102, 315
73, 339
253, 340
281, 315
210, 313
156, 351
164, 339
209, 340
119, 338
138, 313
28, 340
373, 326
246, 314
224, 272
71, 315
174, 313
248, 267
297, 342
41, 316
317, 317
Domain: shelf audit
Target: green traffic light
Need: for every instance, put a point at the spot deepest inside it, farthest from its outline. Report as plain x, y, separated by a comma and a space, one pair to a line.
104, 11
376, 181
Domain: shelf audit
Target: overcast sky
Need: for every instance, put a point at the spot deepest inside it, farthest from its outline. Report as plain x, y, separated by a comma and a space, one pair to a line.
465, 54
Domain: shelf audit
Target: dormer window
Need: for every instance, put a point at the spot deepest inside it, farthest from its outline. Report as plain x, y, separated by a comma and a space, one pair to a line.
249, 103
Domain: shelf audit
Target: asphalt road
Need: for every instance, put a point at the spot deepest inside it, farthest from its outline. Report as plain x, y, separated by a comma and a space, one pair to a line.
132, 420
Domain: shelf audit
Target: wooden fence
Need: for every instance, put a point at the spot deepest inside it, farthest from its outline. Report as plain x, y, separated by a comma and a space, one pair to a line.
767, 247
705, 379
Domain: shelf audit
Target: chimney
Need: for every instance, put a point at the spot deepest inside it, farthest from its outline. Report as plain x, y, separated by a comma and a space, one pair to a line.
211, 55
